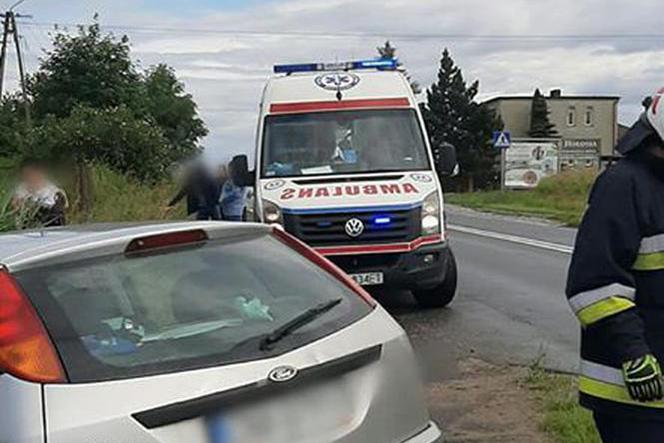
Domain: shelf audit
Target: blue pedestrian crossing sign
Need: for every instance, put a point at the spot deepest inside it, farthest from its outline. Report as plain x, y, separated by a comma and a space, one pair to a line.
502, 139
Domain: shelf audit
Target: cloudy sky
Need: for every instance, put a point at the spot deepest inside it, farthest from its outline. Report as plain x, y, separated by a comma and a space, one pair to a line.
224, 49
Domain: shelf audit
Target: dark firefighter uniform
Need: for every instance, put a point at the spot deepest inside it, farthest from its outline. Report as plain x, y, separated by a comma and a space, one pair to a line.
616, 289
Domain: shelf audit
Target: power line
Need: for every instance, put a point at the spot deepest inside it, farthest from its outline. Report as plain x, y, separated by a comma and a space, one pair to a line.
371, 34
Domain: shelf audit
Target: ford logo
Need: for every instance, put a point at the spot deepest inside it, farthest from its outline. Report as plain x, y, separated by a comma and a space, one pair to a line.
354, 227
282, 374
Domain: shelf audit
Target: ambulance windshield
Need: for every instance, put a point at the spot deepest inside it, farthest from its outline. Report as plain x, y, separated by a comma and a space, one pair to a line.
343, 143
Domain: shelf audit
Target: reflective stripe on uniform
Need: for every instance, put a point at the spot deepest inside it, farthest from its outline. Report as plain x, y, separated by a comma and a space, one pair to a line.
603, 309
652, 244
602, 373
608, 391
651, 254
585, 299
607, 383
597, 304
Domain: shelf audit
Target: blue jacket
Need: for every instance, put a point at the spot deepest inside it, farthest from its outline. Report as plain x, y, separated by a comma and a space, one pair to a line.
233, 199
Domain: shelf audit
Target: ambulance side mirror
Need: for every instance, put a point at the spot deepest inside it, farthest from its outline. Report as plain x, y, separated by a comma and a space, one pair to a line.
240, 173
446, 160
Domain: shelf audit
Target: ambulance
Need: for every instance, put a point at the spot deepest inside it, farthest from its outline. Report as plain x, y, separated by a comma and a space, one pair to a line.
343, 162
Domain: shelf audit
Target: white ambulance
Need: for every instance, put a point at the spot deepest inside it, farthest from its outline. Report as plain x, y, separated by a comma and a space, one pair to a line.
343, 162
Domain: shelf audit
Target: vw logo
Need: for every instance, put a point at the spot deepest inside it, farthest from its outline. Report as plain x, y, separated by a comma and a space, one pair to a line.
354, 227
339, 81
282, 374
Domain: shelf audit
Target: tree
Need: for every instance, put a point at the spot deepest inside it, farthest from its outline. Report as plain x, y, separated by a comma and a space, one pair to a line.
101, 136
88, 69
93, 104
13, 127
540, 125
174, 111
453, 116
112, 137
387, 51
94, 70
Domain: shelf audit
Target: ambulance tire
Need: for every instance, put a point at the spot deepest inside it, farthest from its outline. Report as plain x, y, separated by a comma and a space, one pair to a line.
443, 294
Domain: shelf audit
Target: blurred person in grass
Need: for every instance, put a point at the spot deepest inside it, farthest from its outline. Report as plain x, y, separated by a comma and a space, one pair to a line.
36, 195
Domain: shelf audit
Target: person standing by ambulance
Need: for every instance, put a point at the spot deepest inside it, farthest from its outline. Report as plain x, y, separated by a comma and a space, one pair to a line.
616, 288
201, 190
233, 196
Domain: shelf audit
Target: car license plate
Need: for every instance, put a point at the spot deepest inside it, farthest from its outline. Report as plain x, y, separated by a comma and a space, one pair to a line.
368, 278
289, 418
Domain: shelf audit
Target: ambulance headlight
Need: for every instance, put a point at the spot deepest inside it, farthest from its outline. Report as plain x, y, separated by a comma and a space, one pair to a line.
272, 213
431, 214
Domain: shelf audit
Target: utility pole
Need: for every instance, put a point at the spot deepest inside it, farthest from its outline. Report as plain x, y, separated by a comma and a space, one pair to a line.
11, 29
3, 51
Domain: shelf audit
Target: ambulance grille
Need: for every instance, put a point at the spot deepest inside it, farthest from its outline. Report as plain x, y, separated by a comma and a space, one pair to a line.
327, 229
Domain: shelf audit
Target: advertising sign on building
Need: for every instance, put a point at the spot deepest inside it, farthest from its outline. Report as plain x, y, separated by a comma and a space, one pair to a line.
526, 163
580, 154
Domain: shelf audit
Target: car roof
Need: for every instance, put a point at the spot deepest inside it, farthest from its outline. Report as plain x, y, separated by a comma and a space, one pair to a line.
21, 249
302, 87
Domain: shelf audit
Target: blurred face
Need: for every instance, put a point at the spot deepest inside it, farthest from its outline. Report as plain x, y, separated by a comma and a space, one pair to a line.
33, 177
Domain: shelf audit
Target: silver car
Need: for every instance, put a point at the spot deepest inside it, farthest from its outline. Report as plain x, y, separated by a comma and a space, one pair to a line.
196, 333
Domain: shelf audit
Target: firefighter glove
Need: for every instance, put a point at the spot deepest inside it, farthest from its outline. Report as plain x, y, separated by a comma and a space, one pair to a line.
643, 378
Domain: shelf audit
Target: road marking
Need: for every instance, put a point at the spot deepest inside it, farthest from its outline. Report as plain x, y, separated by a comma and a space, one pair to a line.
556, 247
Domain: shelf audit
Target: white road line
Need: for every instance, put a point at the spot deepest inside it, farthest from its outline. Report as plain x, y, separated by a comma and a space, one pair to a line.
514, 239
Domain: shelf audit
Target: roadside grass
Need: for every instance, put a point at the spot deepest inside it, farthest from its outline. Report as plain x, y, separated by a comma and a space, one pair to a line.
118, 198
561, 198
562, 419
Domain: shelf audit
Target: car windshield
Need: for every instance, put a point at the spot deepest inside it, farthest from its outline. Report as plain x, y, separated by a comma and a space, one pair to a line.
118, 317
343, 142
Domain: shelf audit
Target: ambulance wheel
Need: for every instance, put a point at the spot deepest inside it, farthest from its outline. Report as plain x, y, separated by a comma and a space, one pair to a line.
443, 294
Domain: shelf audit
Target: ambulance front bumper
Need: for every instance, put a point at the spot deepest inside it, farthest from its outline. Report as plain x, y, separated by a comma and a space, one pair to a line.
421, 269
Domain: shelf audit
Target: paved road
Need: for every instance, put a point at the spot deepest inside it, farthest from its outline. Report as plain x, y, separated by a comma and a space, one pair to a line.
510, 308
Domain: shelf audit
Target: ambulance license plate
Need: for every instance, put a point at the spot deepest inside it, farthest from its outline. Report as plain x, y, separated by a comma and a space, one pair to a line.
368, 278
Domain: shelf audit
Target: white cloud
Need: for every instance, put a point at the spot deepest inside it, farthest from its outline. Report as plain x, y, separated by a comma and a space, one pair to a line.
191, 45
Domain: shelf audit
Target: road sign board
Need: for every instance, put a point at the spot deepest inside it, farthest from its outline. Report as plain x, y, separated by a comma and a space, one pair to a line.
502, 139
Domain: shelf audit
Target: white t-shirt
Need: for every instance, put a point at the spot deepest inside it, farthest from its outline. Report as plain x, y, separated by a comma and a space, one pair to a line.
45, 197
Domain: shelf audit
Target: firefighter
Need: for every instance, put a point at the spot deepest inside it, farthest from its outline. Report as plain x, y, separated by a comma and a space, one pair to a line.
616, 288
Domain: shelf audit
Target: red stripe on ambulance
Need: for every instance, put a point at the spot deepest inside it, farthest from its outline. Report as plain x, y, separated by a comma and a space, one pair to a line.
377, 103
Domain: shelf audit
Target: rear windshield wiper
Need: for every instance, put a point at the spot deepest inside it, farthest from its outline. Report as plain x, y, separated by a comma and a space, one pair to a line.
296, 323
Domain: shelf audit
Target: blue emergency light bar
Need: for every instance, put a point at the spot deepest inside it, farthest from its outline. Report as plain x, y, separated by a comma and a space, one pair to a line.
384, 64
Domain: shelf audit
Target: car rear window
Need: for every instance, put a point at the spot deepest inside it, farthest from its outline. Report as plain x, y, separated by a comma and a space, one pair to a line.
181, 309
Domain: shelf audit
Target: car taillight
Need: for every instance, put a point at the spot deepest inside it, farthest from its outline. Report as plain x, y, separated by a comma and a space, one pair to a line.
322, 262
26, 350
167, 240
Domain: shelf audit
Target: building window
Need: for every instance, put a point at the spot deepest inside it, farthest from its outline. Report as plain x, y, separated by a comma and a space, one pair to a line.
588, 117
571, 116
